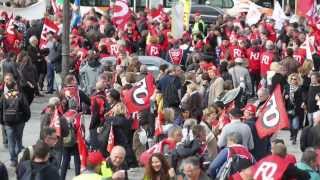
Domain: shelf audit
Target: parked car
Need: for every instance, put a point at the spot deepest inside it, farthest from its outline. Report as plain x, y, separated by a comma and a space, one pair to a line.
209, 14
152, 62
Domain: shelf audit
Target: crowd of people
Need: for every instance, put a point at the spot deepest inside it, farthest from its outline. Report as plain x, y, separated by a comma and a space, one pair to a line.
200, 122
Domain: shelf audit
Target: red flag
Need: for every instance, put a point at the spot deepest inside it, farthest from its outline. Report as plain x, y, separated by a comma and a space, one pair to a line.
82, 148
306, 7
48, 26
138, 97
56, 8
273, 116
111, 143
121, 13
55, 122
158, 127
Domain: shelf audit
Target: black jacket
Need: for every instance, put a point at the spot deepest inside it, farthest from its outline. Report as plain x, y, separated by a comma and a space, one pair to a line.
10, 67
23, 110
3, 172
278, 79
262, 146
46, 170
295, 105
311, 101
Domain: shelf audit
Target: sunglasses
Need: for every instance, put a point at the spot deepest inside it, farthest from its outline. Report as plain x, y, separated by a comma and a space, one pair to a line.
293, 79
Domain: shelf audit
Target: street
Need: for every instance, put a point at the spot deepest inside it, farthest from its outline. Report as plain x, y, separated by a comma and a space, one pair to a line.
32, 129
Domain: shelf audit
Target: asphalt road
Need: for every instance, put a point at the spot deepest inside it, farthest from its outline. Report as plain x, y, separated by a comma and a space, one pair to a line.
32, 129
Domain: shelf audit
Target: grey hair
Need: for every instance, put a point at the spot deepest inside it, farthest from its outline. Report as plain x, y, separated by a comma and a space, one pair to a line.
32, 38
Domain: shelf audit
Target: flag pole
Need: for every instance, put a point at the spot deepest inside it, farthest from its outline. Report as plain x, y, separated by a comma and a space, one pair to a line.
65, 38
296, 7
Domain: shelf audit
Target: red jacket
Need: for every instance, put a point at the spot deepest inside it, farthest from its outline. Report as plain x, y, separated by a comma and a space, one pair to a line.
153, 50
236, 51
267, 58
270, 167
300, 55
253, 56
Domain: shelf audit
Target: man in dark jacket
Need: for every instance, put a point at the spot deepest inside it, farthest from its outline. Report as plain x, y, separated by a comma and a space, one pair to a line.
15, 111
3, 172
9, 66
39, 166
48, 136
262, 146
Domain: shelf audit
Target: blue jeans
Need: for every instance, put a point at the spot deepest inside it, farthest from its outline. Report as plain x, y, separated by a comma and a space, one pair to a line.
50, 76
295, 122
310, 119
66, 157
14, 134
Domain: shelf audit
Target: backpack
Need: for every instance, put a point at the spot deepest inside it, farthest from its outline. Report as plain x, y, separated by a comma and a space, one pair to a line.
171, 96
22, 155
233, 164
70, 140
32, 174
10, 108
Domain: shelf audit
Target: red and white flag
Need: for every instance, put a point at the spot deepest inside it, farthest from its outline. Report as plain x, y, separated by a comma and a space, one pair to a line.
138, 97
273, 116
111, 141
56, 7
121, 13
82, 147
10, 26
55, 122
158, 124
48, 26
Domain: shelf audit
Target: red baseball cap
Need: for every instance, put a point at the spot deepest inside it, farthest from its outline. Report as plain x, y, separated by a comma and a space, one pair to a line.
95, 158
251, 108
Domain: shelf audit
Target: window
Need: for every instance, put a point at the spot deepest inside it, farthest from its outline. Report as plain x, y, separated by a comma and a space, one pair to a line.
169, 3
221, 3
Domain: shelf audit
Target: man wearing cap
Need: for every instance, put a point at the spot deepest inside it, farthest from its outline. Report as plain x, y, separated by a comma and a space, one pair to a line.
93, 167
262, 146
236, 126
240, 76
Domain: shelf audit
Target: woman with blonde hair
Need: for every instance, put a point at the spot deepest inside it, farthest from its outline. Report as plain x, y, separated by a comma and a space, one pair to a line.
294, 100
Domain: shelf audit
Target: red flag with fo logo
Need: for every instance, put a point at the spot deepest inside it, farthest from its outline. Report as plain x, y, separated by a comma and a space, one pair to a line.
138, 97
273, 116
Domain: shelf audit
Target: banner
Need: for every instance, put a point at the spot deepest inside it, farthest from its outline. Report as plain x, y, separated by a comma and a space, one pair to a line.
35, 11
138, 97
121, 13
253, 15
273, 116
177, 21
111, 142
306, 7
279, 16
186, 12
48, 26
82, 147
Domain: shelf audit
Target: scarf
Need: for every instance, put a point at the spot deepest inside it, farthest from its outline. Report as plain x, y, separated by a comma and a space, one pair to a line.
292, 90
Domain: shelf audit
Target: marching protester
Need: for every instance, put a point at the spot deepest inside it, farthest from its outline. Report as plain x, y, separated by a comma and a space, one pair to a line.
203, 101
